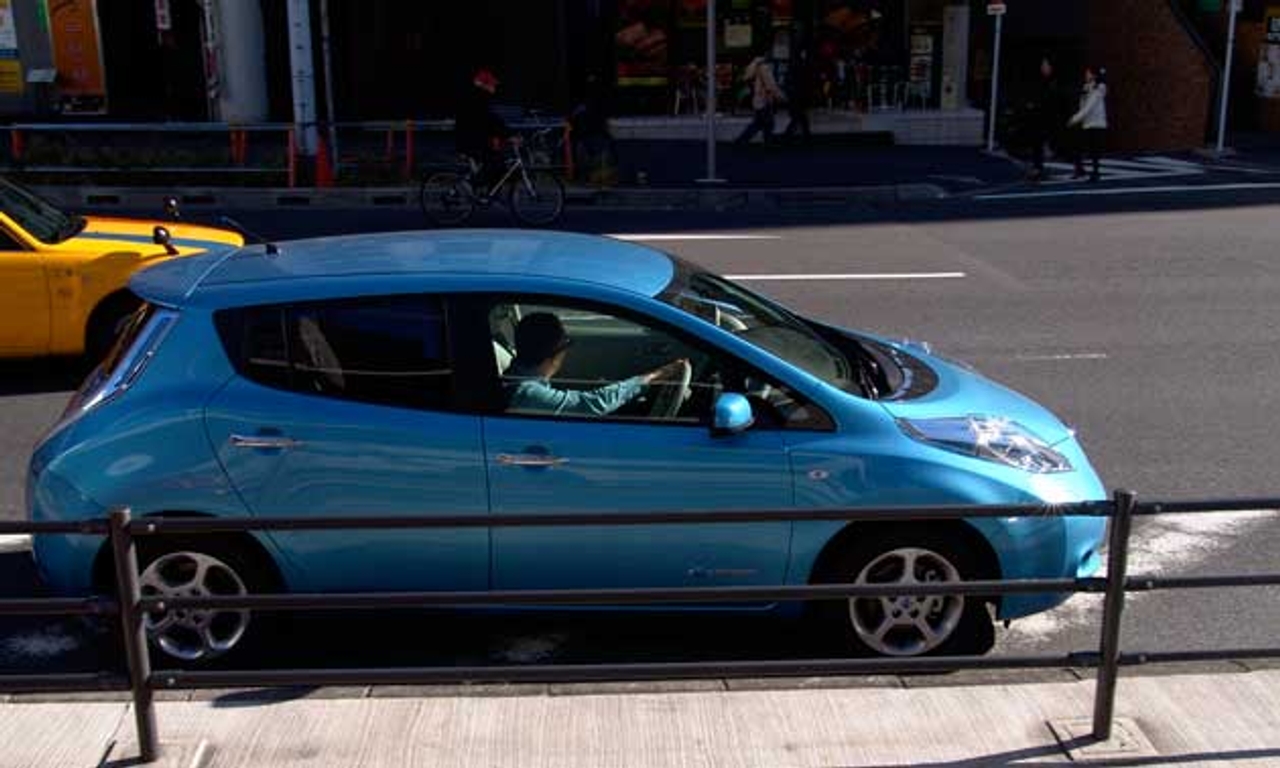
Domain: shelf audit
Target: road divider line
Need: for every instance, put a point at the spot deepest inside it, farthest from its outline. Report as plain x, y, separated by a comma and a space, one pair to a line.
1154, 190
853, 276
1065, 356
656, 237
14, 543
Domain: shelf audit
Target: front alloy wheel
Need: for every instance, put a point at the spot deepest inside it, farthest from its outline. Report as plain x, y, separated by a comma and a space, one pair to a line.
907, 625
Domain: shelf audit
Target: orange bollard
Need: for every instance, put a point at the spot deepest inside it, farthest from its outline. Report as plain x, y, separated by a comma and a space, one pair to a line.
408, 150
568, 151
291, 159
324, 167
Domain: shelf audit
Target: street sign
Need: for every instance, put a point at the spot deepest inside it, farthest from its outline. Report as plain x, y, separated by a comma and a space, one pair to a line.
996, 9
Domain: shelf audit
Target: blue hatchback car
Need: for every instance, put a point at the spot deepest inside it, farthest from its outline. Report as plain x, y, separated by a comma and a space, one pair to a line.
481, 372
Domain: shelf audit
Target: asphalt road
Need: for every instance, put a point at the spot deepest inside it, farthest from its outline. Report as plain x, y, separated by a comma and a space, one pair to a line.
1150, 322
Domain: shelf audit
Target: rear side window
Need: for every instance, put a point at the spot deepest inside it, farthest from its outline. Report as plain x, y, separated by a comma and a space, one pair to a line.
383, 350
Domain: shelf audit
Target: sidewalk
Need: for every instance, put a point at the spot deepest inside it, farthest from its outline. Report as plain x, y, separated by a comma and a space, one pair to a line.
1211, 719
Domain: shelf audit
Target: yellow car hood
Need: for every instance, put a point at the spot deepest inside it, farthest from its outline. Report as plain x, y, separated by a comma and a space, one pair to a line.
110, 234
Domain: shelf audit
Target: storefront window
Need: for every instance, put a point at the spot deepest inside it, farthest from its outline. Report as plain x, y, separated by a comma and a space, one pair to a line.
861, 54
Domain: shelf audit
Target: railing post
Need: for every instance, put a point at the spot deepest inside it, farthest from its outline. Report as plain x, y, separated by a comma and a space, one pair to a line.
129, 592
408, 150
16, 144
291, 159
1109, 652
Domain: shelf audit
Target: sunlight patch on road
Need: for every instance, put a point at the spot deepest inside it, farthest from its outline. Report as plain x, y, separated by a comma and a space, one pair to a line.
528, 649
1168, 545
42, 644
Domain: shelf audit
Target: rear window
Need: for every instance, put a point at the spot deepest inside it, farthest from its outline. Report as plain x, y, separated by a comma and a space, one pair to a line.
382, 350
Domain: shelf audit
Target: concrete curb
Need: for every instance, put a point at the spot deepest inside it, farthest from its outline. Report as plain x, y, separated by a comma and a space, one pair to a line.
640, 198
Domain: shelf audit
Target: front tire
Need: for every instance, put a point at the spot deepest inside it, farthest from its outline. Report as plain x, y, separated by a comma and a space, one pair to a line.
906, 626
537, 199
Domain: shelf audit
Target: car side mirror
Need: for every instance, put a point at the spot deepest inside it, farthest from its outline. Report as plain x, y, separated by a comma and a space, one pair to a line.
171, 208
732, 415
161, 236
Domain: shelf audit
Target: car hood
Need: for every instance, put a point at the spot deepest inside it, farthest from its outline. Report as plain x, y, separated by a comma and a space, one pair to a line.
102, 234
958, 390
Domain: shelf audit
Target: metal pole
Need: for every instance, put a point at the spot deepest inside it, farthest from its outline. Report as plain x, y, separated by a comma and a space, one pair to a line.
1109, 651
328, 84
995, 85
711, 177
129, 593
1225, 90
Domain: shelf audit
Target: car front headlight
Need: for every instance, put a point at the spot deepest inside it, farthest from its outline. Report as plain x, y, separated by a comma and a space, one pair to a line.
991, 438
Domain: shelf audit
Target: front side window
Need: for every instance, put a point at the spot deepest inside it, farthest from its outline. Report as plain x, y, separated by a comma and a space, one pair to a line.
381, 350
582, 362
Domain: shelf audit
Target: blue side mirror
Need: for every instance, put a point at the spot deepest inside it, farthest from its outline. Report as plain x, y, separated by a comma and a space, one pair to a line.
732, 415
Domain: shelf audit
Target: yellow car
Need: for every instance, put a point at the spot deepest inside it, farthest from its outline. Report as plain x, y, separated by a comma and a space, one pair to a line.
63, 278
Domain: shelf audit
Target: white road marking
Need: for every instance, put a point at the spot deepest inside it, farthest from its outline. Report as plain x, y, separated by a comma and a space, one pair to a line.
11, 544
1068, 356
1168, 545
853, 276
1093, 192
656, 238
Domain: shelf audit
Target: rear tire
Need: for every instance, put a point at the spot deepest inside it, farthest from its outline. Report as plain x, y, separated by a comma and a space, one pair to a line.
935, 625
446, 198
539, 202
200, 566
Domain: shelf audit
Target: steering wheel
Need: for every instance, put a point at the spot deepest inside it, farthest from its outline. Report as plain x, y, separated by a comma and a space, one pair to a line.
666, 404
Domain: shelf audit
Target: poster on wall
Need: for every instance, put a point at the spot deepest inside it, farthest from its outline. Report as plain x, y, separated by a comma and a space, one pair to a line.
1269, 56
642, 42
77, 55
10, 65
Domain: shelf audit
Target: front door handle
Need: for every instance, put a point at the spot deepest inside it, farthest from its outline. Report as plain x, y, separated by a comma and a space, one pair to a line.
530, 460
264, 441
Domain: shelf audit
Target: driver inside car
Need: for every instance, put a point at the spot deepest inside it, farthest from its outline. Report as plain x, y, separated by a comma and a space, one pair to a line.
542, 344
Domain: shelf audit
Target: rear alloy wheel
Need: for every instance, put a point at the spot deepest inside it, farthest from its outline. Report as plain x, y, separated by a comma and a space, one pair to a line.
190, 569
909, 625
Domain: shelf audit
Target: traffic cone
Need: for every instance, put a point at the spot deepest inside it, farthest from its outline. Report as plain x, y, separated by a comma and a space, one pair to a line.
324, 167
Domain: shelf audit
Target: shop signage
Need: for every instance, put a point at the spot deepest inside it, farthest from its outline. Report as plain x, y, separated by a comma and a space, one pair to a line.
164, 18
10, 66
77, 55
996, 9
1273, 25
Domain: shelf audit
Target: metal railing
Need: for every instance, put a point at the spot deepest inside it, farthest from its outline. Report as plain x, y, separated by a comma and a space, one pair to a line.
130, 606
393, 148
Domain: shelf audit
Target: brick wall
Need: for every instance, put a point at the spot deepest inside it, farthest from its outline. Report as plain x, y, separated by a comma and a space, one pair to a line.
1160, 83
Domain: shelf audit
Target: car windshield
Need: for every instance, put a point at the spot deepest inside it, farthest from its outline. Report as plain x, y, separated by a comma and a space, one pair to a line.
41, 220
760, 322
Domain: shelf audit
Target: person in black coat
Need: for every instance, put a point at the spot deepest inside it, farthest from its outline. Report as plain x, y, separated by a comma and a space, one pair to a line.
479, 132
1045, 116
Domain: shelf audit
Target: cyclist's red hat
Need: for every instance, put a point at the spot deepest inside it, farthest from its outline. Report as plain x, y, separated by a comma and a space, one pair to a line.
486, 80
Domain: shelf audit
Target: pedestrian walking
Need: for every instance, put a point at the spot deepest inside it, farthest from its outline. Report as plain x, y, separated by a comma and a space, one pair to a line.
799, 89
1045, 110
765, 97
1092, 119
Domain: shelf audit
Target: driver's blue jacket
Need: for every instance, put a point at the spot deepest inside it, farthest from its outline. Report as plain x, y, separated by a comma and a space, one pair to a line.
530, 392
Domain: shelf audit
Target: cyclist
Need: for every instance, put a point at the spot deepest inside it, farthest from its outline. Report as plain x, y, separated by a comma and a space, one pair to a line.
479, 132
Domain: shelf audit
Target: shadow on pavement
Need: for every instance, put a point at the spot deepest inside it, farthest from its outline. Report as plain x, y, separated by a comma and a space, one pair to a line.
30, 377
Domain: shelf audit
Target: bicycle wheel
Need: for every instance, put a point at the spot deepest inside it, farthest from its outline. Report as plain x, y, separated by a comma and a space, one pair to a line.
446, 198
537, 198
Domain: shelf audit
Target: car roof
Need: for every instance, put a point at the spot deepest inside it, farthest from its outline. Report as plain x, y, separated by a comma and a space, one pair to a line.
391, 257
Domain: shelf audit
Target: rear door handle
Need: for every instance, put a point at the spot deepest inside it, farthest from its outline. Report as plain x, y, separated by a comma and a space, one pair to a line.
530, 460
264, 441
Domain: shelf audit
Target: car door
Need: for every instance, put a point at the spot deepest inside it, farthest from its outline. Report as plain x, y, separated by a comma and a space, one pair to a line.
630, 460
24, 299
347, 408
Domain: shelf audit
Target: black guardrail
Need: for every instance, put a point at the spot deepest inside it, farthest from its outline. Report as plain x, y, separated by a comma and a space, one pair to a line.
122, 531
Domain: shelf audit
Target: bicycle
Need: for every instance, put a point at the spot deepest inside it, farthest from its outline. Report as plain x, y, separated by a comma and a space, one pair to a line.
535, 196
